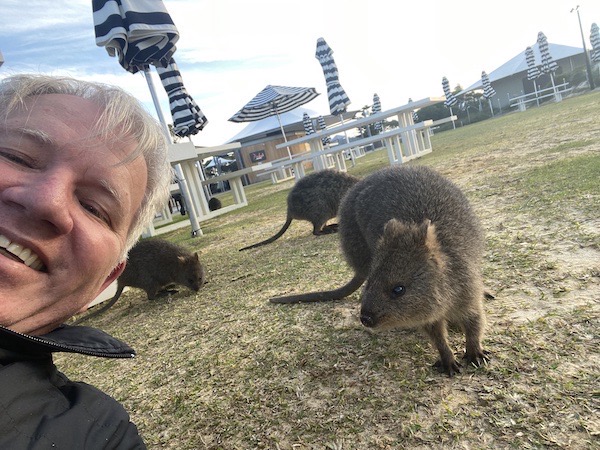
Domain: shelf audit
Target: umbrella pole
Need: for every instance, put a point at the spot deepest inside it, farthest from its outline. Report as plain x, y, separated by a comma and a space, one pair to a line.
283, 132
451, 114
347, 141
196, 231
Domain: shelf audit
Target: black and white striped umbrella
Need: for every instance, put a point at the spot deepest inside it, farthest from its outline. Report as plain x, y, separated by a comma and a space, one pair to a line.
532, 70
415, 116
450, 97
321, 125
548, 64
308, 125
595, 41
274, 100
188, 118
488, 90
139, 33
377, 109
338, 100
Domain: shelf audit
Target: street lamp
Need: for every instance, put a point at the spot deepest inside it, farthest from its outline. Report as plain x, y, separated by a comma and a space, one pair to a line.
588, 65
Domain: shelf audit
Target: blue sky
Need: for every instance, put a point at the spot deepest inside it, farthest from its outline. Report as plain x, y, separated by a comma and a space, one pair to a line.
230, 50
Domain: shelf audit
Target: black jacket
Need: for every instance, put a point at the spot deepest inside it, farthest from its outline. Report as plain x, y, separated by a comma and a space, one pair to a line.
41, 408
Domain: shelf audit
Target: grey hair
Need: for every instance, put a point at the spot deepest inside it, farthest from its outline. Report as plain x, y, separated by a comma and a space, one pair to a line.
123, 117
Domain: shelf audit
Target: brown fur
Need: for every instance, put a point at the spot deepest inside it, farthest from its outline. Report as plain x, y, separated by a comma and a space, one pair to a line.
413, 237
315, 198
153, 265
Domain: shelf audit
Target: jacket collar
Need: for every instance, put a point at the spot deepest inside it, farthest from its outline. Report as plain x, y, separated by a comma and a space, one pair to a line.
66, 338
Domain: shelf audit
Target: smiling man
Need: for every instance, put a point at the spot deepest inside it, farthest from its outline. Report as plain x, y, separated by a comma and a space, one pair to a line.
83, 169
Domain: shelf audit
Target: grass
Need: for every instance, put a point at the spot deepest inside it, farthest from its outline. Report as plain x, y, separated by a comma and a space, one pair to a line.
224, 369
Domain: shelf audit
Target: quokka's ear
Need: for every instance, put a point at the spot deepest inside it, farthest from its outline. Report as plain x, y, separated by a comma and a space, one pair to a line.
432, 242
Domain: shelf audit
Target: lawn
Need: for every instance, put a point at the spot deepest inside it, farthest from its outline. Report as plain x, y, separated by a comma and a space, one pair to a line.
225, 369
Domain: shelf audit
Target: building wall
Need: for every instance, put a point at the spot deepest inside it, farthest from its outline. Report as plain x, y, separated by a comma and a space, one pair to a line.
265, 151
518, 84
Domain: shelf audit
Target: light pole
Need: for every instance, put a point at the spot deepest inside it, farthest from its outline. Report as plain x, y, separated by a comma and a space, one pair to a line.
588, 65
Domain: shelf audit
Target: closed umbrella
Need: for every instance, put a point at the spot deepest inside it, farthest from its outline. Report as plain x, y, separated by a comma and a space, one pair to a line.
338, 100
377, 109
451, 99
307, 123
273, 101
188, 118
141, 34
415, 115
532, 70
488, 90
321, 125
548, 65
595, 41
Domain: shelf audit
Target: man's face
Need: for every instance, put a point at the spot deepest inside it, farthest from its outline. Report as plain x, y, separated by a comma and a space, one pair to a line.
66, 205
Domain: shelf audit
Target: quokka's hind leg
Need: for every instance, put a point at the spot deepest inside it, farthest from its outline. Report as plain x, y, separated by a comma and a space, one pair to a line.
321, 228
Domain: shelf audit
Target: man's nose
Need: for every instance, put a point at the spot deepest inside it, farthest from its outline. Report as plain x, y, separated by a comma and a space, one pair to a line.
47, 201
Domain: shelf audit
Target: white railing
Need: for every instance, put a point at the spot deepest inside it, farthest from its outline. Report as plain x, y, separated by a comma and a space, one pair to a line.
557, 92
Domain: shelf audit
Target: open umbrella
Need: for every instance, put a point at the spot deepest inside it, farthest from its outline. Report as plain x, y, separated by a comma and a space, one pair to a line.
488, 90
274, 100
451, 99
595, 41
377, 109
141, 34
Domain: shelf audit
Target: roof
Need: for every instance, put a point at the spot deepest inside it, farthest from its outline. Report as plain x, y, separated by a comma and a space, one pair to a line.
519, 63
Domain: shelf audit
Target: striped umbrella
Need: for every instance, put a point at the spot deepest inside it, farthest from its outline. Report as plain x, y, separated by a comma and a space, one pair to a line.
188, 118
595, 41
273, 101
548, 63
141, 34
377, 109
338, 100
451, 99
532, 70
415, 116
488, 90
308, 125
321, 125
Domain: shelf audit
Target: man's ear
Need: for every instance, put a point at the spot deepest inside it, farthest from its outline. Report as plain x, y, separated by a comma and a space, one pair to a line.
114, 274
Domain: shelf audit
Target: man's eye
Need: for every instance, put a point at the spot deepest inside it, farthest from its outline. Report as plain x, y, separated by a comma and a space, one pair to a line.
95, 212
15, 158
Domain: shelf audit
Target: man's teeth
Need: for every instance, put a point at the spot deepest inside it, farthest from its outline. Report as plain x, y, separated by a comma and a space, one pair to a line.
28, 258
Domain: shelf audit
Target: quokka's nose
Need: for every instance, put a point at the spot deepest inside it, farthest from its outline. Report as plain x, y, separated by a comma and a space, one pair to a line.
367, 320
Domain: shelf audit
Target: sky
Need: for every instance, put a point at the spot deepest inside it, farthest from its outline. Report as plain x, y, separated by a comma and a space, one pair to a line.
229, 50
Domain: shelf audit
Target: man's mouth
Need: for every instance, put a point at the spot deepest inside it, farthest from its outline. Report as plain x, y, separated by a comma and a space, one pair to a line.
20, 254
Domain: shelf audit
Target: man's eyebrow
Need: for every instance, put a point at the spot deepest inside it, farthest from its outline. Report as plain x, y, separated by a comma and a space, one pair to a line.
37, 135
112, 192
